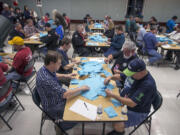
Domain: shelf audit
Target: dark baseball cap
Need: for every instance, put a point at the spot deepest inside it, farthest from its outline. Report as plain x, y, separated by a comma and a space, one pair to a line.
136, 65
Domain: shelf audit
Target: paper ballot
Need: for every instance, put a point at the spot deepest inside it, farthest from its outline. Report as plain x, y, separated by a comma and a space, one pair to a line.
34, 37
166, 46
97, 59
85, 109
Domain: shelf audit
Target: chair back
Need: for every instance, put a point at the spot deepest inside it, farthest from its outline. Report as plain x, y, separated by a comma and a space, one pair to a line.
157, 102
36, 97
30, 65
5, 88
37, 100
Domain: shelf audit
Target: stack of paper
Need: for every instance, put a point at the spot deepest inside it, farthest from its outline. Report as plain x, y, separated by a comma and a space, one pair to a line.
85, 109
166, 46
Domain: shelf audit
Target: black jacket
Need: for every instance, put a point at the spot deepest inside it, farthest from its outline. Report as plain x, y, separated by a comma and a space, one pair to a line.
51, 40
77, 40
16, 33
121, 62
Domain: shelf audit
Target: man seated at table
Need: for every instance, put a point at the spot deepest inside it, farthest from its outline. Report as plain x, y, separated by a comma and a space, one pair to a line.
171, 24
20, 60
53, 96
138, 94
66, 67
5, 97
17, 31
116, 42
78, 41
175, 35
140, 35
123, 58
151, 46
51, 40
30, 29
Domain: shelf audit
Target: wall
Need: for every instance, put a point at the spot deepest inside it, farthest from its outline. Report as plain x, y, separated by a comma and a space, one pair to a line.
77, 9
161, 9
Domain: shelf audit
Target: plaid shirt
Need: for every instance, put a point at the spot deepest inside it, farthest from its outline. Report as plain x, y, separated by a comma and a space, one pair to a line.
29, 31
50, 92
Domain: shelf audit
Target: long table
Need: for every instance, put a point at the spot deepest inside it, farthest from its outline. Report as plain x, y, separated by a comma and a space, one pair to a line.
96, 44
175, 47
104, 101
33, 43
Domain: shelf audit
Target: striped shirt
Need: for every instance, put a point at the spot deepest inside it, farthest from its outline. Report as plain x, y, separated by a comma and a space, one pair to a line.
50, 92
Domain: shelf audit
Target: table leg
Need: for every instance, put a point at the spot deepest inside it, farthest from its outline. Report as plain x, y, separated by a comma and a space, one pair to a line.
104, 126
83, 125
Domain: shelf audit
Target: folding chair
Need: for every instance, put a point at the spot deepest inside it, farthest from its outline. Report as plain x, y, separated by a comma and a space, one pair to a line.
157, 102
178, 94
6, 114
44, 116
31, 78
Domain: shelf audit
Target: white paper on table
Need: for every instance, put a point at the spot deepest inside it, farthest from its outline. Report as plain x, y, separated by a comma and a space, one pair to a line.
97, 59
79, 107
34, 37
166, 46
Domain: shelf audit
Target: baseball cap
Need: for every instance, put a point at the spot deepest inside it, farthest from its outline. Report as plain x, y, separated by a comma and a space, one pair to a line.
136, 65
16, 41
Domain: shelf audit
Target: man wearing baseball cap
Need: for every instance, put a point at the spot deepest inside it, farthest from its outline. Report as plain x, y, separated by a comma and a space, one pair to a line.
138, 93
20, 60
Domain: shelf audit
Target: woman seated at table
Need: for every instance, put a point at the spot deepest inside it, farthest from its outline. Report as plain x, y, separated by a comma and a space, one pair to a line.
110, 28
116, 42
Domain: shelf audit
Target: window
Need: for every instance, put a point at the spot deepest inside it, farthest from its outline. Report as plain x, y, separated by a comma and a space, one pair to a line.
135, 8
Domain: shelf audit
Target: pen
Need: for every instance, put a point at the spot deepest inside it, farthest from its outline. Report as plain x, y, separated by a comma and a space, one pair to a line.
86, 106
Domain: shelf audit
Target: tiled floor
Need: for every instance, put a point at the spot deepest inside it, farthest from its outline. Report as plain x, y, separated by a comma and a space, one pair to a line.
165, 122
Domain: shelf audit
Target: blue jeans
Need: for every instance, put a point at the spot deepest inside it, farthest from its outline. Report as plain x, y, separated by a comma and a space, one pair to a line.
111, 50
154, 56
134, 118
13, 76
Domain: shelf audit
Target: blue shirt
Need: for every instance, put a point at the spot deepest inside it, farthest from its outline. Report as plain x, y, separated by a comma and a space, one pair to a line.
50, 92
59, 31
142, 92
117, 41
150, 41
64, 62
140, 35
170, 26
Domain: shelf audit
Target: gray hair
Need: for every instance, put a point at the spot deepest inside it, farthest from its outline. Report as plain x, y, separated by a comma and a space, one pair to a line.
79, 26
129, 45
5, 5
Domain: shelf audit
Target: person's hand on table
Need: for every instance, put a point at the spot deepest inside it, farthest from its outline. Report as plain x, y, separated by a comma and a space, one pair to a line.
85, 88
7, 61
71, 76
77, 62
108, 43
116, 71
107, 80
108, 59
109, 93
165, 42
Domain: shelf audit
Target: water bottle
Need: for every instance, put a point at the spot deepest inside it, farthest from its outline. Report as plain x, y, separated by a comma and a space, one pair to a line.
99, 111
124, 110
